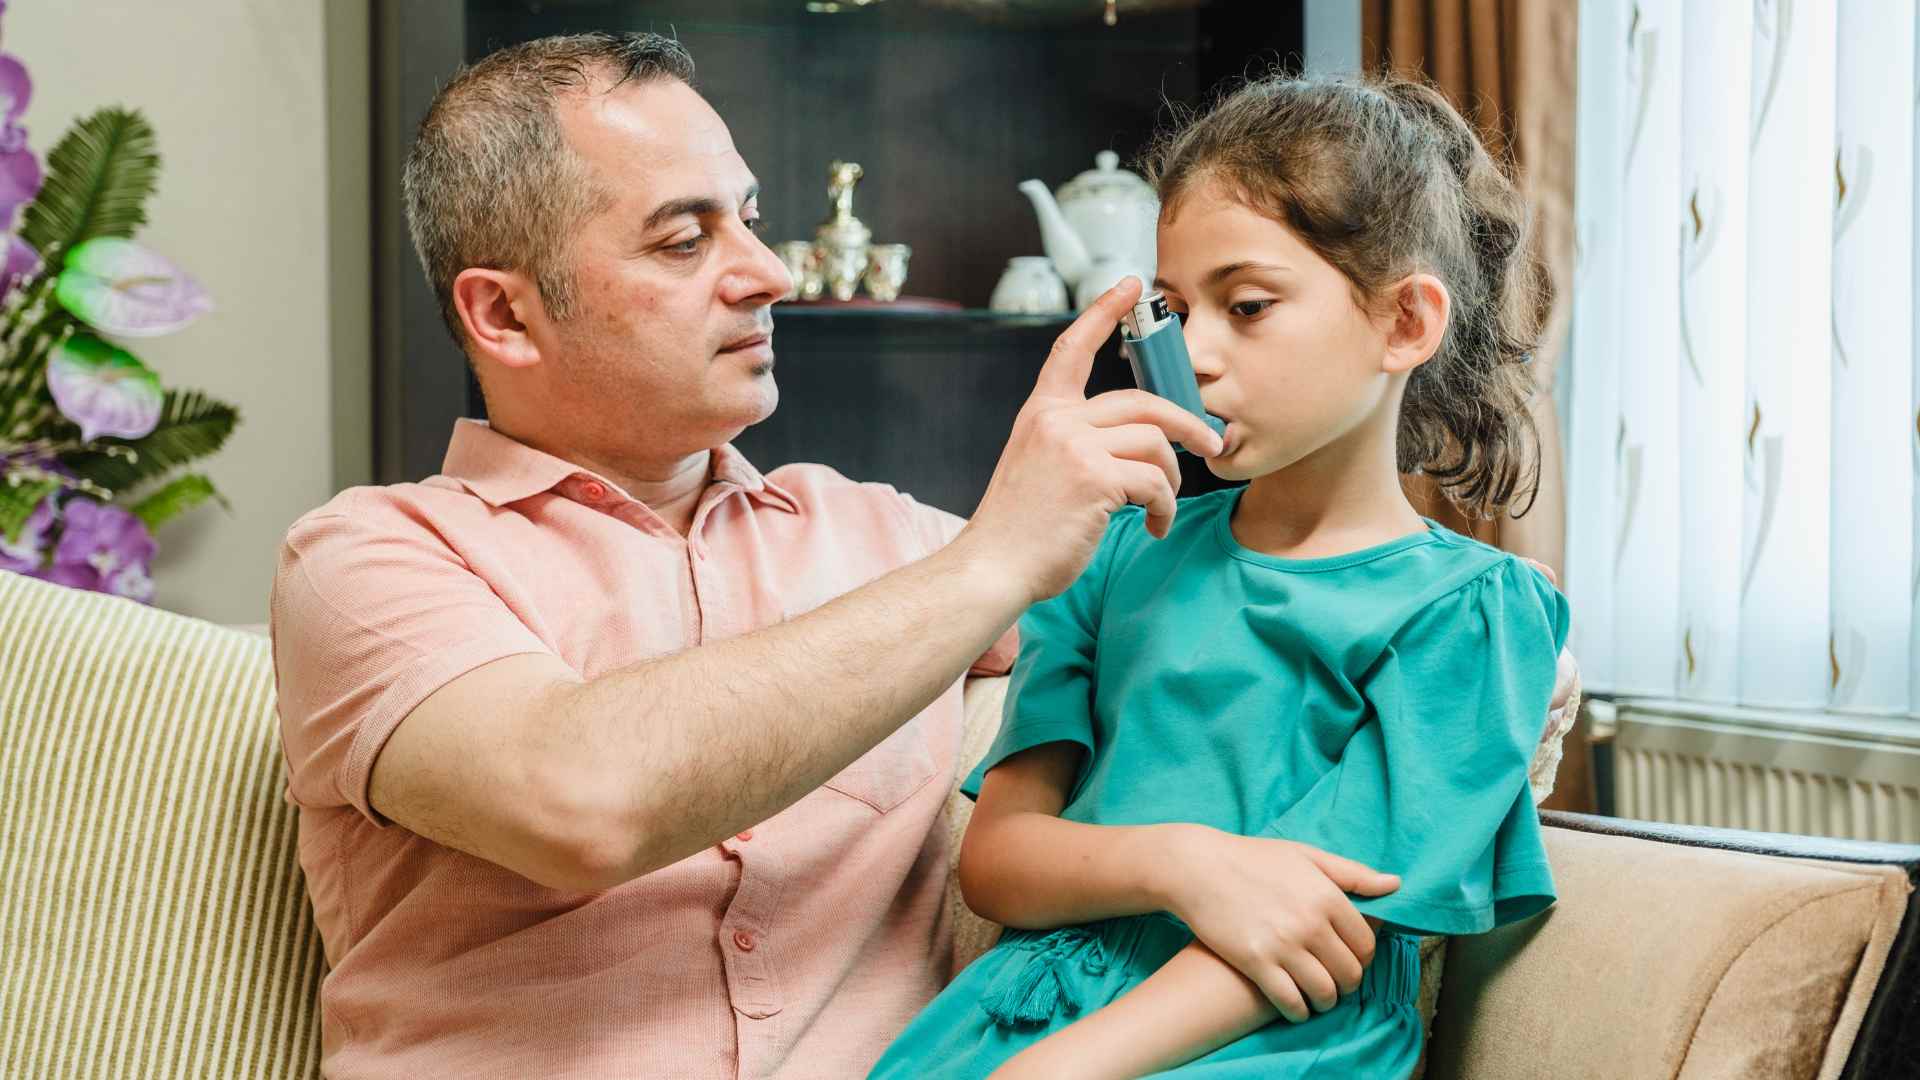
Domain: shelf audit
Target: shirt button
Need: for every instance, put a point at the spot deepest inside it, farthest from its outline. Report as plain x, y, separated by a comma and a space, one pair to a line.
593, 490
743, 941
745, 836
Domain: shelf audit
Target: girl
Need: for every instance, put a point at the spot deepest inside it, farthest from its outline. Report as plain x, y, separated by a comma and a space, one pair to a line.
1301, 664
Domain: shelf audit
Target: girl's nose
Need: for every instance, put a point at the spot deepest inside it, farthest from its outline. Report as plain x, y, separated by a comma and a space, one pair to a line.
1200, 351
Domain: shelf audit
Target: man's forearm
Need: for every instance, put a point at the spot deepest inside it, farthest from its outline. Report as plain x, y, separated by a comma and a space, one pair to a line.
708, 741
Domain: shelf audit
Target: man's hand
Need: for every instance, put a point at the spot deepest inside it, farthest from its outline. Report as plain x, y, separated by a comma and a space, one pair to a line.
1278, 912
1562, 710
1071, 462
1566, 677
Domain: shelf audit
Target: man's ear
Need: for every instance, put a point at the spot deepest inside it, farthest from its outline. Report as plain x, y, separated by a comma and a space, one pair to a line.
1416, 322
496, 307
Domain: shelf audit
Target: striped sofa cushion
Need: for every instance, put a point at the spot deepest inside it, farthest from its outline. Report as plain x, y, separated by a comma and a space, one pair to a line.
153, 918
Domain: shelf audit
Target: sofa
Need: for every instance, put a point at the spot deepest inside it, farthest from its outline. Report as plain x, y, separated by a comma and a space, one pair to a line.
154, 923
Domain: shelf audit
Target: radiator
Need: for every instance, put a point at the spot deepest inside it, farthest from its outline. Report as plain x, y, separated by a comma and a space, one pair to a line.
1690, 764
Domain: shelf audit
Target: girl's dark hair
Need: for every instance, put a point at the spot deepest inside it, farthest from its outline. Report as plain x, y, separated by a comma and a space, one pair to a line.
1383, 178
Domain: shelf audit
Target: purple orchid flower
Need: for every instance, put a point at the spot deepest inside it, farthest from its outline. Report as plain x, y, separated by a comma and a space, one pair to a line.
20, 263
104, 548
25, 553
19, 177
20, 174
16, 88
73, 576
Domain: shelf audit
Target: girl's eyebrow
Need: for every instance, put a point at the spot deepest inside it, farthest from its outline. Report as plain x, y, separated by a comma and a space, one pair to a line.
1221, 273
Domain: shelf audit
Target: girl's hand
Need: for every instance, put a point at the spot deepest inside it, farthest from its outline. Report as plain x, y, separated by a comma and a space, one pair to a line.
1277, 911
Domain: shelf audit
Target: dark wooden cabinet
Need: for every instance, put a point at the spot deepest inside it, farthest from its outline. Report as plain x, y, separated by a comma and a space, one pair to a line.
946, 109
923, 402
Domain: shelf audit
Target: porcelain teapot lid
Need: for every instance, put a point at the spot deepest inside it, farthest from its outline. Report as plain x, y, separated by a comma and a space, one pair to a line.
1107, 181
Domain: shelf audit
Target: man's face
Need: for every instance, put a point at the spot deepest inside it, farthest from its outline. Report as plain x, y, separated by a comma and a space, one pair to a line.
669, 343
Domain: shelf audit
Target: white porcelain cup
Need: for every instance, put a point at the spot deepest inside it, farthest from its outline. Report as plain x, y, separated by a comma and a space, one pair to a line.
886, 271
1030, 287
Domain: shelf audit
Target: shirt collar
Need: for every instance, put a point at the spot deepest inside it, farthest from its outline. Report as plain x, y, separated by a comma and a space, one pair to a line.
730, 466
502, 470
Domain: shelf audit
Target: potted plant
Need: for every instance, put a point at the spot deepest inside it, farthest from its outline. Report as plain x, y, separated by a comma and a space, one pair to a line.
91, 442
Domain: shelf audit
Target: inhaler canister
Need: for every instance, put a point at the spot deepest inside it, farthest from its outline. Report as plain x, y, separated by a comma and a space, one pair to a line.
1151, 337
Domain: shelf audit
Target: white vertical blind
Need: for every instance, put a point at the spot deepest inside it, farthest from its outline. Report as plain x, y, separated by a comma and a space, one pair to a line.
1713, 347
1593, 389
1744, 391
1873, 359
1784, 615
1646, 560
1913, 430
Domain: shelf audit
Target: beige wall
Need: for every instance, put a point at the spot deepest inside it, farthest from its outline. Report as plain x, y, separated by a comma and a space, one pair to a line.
260, 107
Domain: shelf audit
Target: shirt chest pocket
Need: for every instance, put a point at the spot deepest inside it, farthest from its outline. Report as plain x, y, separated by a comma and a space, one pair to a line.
906, 760
890, 773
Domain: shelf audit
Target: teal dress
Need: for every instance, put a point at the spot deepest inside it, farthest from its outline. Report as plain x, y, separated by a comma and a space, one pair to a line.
1383, 705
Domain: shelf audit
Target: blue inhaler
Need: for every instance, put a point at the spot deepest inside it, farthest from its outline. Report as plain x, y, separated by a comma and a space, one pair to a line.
1151, 337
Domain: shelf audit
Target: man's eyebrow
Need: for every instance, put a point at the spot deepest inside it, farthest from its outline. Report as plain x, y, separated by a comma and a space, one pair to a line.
692, 206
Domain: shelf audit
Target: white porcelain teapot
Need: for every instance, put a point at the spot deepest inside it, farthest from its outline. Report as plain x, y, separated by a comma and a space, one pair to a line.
1098, 228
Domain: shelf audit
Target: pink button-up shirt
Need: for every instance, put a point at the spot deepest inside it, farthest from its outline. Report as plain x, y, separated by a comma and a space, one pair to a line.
797, 948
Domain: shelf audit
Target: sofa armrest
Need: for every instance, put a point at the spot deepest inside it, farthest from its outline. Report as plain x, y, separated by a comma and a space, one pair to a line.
1694, 952
1888, 1039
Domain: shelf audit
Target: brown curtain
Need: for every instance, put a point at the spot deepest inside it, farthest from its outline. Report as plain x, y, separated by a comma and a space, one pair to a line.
1508, 66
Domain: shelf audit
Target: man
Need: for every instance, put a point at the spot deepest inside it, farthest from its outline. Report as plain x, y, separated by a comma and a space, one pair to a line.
615, 757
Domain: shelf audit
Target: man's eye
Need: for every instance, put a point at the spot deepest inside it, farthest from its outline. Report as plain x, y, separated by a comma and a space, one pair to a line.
689, 246
755, 224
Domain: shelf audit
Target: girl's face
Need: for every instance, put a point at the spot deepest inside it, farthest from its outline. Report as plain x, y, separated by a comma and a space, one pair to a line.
1283, 351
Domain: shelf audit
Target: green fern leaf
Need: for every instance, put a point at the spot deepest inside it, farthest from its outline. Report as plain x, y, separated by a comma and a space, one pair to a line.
97, 183
17, 502
174, 498
191, 426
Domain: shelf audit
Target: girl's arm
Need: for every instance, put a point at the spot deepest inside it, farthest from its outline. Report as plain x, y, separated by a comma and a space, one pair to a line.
1195, 1004
1022, 866
1272, 909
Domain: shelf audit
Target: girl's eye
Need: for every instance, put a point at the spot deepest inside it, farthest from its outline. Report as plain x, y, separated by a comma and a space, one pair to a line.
1248, 309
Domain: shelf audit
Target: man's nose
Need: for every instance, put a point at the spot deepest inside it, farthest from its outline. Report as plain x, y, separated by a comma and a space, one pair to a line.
758, 274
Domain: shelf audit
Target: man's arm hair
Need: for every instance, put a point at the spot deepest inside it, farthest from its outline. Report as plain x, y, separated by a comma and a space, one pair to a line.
583, 785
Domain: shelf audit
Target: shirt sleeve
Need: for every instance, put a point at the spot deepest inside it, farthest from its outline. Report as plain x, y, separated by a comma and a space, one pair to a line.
1050, 698
936, 529
371, 613
1433, 785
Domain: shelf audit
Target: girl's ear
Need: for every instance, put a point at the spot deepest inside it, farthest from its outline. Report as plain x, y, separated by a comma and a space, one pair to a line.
1416, 322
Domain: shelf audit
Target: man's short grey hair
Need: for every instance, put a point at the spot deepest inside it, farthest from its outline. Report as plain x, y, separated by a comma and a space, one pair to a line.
491, 182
